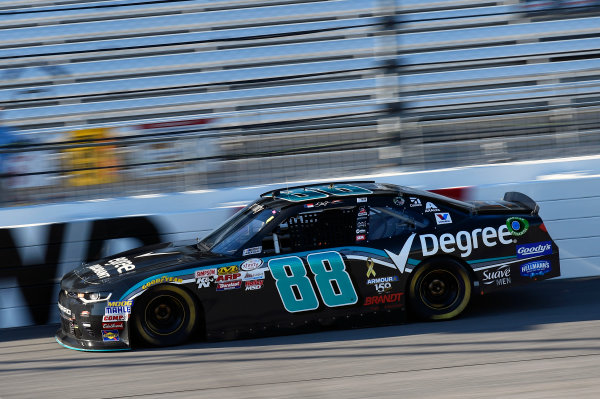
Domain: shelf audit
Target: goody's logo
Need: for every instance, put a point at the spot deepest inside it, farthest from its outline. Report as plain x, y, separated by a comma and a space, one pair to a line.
535, 268
535, 249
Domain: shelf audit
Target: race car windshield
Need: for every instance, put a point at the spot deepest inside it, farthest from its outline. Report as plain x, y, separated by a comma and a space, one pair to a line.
237, 230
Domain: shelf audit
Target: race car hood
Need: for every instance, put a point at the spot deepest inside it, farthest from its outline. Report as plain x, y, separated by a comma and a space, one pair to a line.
140, 260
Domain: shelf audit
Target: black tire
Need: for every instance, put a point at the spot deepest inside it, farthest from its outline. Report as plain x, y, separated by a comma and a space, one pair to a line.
164, 316
439, 289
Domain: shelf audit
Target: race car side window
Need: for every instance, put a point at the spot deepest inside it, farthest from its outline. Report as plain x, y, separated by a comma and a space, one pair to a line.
388, 222
235, 235
315, 229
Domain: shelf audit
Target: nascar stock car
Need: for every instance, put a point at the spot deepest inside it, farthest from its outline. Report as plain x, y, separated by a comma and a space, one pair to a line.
340, 254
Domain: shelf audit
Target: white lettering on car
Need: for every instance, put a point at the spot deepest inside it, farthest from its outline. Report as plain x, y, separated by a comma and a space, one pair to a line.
487, 234
99, 270
445, 240
121, 264
502, 272
464, 241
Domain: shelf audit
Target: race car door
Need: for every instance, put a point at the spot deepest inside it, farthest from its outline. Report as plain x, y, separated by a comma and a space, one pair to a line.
329, 265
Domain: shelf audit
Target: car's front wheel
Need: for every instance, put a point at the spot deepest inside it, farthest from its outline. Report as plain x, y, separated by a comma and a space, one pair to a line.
164, 316
439, 289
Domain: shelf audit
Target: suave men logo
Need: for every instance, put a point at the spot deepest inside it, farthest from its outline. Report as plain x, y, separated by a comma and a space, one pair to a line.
535, 268
535, 249
464, 241
499, 276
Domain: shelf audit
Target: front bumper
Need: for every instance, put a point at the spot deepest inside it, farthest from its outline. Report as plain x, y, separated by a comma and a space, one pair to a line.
71, 342
82, 326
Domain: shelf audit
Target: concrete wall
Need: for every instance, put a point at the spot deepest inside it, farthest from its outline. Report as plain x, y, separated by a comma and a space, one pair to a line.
39, 244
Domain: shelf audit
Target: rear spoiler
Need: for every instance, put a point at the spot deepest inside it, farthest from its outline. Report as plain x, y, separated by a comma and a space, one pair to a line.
513, 196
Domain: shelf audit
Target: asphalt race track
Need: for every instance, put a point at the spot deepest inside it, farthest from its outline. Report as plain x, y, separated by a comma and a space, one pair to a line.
540, 341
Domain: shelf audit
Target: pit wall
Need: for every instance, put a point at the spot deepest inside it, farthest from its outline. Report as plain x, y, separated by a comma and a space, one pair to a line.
39, 244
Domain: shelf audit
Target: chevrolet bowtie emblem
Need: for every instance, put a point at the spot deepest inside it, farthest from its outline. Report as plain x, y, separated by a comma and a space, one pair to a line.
370, 270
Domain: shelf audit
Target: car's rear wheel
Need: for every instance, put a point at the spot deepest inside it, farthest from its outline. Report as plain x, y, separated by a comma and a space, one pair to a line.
164, 316
439, 289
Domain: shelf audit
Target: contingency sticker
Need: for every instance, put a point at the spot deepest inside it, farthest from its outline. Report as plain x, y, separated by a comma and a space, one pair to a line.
252, 251
251, 264
430, 207
110, 335
230, 285
254, 285
443, 218
253, 275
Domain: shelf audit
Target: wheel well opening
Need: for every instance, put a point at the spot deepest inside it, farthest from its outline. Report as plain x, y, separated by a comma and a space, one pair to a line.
431, 303
198, 305
465, 265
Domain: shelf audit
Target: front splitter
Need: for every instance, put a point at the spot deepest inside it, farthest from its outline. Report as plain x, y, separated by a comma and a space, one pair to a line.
88, 346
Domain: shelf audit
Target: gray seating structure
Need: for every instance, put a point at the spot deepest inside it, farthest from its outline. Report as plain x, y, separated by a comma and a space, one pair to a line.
291, 90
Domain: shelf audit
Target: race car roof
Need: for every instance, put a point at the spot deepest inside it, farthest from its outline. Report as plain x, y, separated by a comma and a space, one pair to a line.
373, 188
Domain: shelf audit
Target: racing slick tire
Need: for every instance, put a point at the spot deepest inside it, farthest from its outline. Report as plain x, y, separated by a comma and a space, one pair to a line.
440, 289
164, 316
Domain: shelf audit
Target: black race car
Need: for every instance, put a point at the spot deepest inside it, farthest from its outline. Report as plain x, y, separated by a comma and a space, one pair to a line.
339, 254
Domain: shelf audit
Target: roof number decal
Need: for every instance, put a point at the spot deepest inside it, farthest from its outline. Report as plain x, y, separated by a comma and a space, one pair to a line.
318, 192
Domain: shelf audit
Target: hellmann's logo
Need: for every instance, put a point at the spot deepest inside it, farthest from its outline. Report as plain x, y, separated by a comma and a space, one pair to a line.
465, 241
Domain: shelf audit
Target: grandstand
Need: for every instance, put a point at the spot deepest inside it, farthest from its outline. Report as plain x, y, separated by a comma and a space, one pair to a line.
135, 97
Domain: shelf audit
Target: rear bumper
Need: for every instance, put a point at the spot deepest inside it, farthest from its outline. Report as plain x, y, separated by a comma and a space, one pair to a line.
513, 271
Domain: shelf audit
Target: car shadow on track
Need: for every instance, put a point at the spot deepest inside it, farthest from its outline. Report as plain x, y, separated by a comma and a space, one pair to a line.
514, 309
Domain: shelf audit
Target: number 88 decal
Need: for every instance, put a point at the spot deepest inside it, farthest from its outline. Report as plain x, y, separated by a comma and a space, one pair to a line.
296, 290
